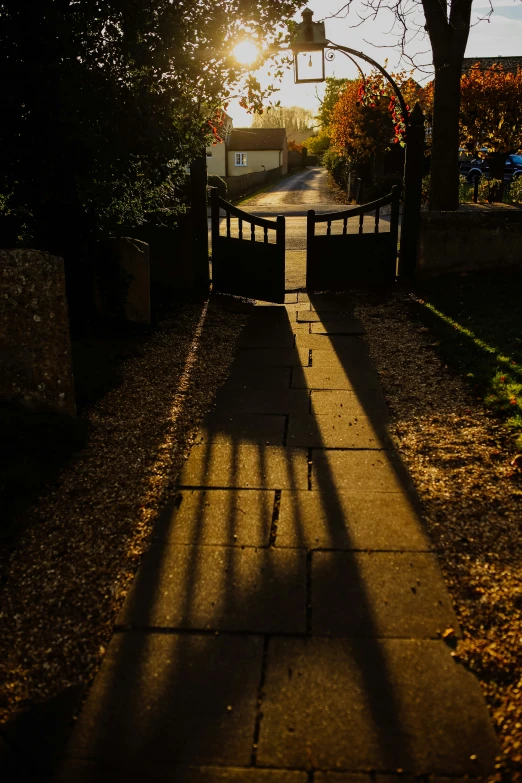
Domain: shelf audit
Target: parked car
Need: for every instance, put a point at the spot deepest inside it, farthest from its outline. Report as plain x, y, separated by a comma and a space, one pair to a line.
478, 167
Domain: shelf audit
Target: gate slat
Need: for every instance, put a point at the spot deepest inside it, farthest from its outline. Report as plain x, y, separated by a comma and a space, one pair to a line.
377, 216
361, 222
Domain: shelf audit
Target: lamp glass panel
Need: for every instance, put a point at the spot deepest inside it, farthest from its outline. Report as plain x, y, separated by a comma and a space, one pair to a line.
309, 66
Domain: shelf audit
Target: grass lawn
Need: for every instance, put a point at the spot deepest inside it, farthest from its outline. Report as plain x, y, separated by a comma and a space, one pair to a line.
476, 319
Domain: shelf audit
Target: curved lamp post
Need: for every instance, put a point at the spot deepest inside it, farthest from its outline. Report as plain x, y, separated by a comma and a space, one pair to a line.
310, 48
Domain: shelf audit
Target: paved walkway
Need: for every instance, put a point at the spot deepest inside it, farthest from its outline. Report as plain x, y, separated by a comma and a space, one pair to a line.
286, 624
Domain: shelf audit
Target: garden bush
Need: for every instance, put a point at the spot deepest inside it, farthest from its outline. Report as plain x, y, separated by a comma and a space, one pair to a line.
515, 191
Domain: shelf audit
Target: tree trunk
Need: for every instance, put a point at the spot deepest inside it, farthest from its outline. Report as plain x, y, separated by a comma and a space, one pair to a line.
448, 37
444, 181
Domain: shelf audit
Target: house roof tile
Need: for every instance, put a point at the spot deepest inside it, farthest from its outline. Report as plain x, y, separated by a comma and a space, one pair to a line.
249, 139
508, 63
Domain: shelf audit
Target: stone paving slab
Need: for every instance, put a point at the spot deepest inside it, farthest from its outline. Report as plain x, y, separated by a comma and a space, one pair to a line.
77, 771
355, 704
218, 517
332, 378
322, 316
334, 431
325, 341
255, 338
349, 520
332, 302
383, 594
271, 357
368, 777
223, 428
245, 465
280, 402
258, 378
338, 326
361, 777
363, 471
346, 402
174, 708
218, 588
353, 358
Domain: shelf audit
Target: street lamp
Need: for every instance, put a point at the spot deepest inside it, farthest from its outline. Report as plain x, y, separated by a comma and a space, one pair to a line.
310, 48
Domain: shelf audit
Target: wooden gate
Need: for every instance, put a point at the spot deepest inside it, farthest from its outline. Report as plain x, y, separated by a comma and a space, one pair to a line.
242, 265
338, 259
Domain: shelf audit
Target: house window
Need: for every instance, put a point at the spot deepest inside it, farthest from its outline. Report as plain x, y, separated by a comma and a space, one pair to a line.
241, 159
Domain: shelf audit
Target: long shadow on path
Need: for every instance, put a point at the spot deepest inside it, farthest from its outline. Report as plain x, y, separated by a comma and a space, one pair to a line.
285, 621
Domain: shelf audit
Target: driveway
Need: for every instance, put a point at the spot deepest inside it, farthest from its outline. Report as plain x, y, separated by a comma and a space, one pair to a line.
307, 189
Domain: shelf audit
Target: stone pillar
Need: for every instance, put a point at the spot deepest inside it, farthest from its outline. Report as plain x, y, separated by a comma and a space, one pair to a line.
123, 279
35, 344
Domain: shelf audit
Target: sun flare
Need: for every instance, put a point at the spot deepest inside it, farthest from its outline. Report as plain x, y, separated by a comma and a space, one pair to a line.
246, 52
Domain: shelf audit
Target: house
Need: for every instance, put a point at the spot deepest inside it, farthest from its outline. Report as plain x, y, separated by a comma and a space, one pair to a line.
217, 152
256, 149
510, 64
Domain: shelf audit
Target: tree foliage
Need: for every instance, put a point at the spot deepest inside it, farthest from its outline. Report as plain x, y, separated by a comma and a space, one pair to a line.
367, 117
107, 101
447, 25
333, 89
357, 130
491, 110
293, 118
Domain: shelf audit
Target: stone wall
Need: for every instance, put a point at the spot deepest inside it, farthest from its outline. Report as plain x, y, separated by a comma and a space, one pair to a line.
35, 347
471, 239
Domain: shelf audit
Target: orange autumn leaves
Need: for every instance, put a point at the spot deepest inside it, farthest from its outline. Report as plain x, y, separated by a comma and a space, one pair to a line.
491, 109
367, 116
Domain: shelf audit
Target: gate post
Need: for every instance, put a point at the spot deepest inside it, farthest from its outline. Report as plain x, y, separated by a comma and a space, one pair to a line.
281, 246
394, 218
310, 233
198, 212
214, 223
411, 205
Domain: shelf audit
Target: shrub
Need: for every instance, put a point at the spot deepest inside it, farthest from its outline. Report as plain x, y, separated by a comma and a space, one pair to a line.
382, 187
488, 189
338, 166
465, 191
425, 192
515, 191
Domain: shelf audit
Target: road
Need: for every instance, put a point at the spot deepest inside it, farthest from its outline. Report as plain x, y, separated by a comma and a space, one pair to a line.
292, 197
307, 189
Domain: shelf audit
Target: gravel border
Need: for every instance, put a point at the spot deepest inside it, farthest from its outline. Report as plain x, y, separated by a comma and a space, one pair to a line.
65, 578
460, 461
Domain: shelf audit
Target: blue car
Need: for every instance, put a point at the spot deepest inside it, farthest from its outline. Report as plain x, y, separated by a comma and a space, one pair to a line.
477, 167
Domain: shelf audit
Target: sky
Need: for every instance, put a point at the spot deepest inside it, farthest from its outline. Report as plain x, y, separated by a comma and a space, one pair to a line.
500, 36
